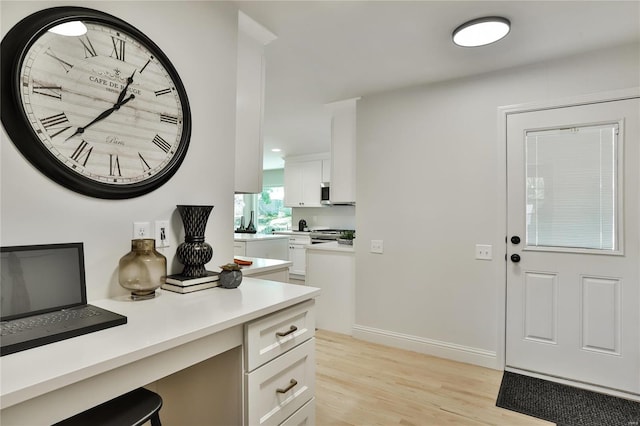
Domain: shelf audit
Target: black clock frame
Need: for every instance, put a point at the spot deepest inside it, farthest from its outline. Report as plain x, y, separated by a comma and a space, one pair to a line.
13, 48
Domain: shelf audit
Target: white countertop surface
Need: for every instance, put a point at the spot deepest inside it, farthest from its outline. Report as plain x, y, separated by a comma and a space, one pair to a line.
160, 324
255, 237
261, 265
332, 246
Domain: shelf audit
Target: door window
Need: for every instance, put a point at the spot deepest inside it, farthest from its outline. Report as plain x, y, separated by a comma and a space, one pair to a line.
572, 189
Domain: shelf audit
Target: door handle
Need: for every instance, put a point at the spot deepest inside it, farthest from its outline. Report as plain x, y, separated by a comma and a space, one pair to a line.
515, 258
515, 239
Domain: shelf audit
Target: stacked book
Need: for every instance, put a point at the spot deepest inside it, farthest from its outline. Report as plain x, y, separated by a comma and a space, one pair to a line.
181, 284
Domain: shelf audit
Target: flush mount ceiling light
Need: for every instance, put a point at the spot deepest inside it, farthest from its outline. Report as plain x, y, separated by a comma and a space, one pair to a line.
71, 28
481, 31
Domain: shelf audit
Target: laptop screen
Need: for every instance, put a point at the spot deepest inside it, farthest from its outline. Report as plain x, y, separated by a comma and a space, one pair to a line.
41, 278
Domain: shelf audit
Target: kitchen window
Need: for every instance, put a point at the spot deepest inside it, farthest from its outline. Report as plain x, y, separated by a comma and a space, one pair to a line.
270, 214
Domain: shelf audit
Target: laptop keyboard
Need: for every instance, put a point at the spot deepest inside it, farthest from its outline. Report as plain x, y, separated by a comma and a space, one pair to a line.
57, 319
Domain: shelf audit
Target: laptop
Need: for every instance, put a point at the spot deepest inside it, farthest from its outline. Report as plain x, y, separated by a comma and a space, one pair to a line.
44, 297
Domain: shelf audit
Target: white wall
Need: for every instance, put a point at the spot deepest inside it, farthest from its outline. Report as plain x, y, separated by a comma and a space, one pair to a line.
334, 217
200, 40
438, 195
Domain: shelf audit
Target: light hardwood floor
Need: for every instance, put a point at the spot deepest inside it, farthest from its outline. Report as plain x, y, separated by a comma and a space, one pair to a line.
361, 383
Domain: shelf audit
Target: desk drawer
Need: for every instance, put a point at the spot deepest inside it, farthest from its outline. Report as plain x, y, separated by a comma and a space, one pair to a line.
271, 336
278, 389
306, 416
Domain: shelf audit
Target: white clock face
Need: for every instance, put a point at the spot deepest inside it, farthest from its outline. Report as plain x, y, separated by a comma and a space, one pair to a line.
103, 104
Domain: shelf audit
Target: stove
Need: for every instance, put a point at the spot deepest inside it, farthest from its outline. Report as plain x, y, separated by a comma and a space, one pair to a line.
325, 235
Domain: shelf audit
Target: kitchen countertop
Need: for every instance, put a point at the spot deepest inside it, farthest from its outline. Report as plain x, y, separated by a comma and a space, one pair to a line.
255, 237
332, 246
260, 265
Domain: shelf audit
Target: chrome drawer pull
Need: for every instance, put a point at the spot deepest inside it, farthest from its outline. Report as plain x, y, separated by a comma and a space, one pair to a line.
292, 383
286, 333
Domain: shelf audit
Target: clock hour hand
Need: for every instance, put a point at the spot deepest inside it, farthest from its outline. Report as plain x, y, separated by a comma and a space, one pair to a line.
102, 116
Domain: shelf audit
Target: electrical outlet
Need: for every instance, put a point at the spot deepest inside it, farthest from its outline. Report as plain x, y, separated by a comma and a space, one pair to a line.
162, 233
484, 252
376, 246
141, 230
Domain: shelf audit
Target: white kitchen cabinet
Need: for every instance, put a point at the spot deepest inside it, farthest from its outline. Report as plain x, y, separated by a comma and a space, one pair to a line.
302, 183
326, 170
262, 246
280, 367
252, 37
297, 254
343, 151
239, 248
331, 267
268, 249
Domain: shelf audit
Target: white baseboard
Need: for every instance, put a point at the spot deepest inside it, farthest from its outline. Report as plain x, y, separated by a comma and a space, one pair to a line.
452, 351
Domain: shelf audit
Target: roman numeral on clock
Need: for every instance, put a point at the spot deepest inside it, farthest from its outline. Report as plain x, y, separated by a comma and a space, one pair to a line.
118, 48
161, 143
114, 165
162, 92
80, 155
168, 119
51, 123
143, 163
89, 50
64, 64
53, 120
51, 91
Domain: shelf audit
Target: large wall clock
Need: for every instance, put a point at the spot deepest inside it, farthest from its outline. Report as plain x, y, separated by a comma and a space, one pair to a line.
103, 113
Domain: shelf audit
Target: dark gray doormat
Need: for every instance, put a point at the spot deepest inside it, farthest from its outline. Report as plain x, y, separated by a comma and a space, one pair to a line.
565, 405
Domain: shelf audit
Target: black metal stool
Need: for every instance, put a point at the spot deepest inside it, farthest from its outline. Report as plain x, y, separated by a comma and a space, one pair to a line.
131, 409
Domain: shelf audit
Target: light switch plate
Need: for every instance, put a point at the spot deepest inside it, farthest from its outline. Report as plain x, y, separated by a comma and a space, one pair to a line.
162, 233
376, 246
484, 252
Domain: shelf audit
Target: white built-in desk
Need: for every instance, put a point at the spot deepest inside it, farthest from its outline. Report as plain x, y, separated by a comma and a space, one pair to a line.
163, 336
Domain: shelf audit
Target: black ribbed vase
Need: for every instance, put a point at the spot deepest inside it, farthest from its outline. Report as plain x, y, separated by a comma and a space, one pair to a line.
194, 252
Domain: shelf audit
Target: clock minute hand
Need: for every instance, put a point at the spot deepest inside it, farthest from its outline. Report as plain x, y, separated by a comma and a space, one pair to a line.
102, 116
124, 91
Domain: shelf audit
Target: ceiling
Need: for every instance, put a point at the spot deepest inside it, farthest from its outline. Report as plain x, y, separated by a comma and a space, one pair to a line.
327, 51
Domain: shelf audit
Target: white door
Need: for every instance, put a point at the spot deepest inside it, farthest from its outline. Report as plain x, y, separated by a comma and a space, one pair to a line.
573, 255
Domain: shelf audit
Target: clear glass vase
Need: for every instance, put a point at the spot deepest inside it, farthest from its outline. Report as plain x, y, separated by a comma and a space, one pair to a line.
143, 269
